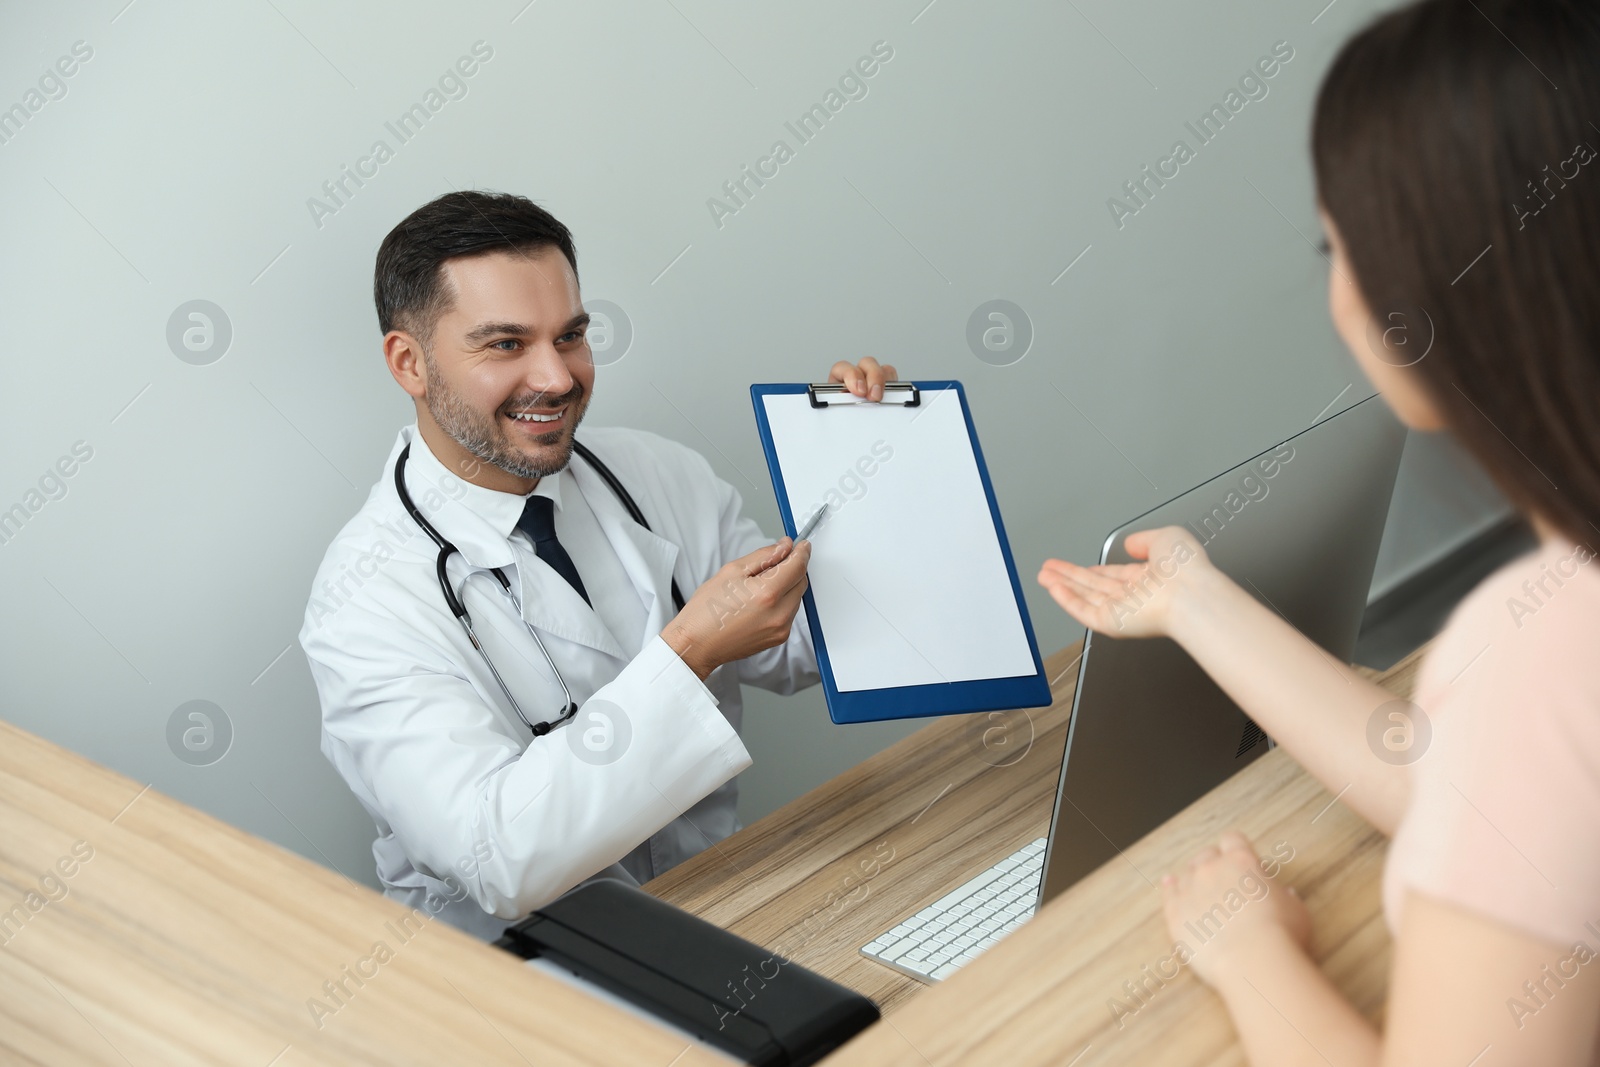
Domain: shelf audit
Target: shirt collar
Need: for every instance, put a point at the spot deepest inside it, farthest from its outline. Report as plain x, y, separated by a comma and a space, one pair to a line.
550, 486
478, 520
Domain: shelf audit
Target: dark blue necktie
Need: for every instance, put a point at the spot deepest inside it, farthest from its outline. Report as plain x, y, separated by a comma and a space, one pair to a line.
539, 523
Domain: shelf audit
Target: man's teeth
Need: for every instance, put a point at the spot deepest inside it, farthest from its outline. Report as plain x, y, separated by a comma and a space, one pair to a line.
528, 416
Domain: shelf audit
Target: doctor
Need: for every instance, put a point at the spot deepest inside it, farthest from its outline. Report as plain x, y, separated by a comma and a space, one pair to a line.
571, 721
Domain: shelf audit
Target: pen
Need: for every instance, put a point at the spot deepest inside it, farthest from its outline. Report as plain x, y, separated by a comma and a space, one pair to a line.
811, 524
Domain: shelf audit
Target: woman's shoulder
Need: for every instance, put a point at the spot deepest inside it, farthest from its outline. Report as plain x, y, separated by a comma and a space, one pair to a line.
1556, 575
1537, 618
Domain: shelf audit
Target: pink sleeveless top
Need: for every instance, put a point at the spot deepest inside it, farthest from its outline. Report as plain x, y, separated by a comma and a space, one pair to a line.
1504, 814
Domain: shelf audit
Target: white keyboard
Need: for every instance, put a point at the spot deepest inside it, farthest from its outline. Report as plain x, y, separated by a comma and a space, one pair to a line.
937, 941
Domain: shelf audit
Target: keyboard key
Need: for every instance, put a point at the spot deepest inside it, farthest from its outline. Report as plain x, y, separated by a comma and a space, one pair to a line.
899, 948
945, 902
945, 972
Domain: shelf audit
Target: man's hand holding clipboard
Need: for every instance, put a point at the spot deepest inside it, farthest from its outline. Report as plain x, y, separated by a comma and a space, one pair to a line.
749, 605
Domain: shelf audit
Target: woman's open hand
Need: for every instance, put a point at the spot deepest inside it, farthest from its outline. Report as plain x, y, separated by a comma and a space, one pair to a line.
1131, 599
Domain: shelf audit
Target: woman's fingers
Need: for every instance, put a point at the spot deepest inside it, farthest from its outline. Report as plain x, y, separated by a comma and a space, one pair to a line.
1072, 602
1107, 581
1234, 841
1085, 590
1107, 597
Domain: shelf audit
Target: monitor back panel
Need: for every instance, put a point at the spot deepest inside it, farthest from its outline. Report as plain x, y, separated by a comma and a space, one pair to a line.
1298, 527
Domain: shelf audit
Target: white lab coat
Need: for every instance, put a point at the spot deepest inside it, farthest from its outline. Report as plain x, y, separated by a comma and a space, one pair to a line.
477, 821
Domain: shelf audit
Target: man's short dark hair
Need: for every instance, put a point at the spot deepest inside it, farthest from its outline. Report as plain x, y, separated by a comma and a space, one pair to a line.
408, 285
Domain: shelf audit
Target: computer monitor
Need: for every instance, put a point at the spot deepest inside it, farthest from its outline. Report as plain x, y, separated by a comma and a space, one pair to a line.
1298, 526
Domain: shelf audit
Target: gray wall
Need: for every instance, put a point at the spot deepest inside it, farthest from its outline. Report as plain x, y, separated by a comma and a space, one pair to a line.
178, 161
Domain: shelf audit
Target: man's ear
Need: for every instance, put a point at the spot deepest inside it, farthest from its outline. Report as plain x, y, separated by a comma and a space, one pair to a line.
403, 353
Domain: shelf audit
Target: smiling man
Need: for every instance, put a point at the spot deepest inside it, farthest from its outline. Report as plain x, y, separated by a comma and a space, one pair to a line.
511, 682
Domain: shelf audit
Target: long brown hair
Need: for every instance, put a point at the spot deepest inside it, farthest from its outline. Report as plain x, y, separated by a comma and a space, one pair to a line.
1451, 130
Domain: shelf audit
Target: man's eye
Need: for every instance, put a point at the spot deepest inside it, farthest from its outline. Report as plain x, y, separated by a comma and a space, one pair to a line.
570, 337
511, 341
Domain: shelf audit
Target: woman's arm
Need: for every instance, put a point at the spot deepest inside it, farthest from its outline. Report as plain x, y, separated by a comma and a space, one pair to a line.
1463, 989
1288, 1014
1463, 986
1311, 704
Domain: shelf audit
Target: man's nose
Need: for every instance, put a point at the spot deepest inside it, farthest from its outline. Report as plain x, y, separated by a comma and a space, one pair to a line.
546, 371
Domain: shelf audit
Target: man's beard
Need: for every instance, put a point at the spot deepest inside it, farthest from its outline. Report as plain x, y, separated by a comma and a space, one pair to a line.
486, 439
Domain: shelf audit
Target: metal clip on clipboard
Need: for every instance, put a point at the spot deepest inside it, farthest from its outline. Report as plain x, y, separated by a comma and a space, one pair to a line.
910, 396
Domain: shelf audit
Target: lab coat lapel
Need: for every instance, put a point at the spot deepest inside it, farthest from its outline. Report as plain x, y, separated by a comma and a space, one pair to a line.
647, 557
552, 606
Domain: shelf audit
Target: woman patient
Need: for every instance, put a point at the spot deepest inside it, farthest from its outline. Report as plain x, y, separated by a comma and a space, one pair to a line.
1454, 146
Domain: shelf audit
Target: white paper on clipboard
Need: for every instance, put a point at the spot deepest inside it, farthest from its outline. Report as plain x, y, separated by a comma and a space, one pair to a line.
910, 584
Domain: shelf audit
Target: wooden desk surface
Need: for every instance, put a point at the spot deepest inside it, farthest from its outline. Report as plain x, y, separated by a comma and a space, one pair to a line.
810, 880
185, 941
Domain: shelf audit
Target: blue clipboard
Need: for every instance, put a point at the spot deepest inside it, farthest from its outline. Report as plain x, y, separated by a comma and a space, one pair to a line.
1023, 690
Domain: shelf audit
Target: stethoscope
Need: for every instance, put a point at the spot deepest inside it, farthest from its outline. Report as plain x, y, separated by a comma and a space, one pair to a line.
459, 610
